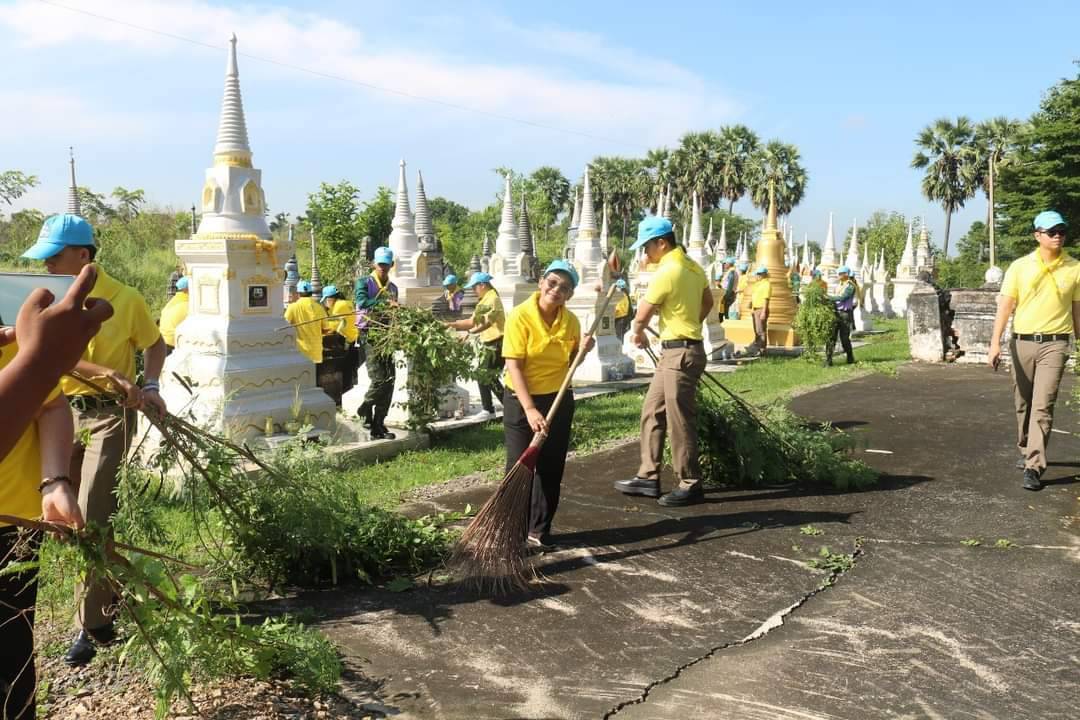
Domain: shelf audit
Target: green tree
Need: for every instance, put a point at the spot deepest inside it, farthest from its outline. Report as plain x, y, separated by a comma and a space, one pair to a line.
778, 164
738, 145
14, 184
332, 211
694, 167
376, 219
944, 152
996, 141
447, 211
92, 205
621, 184
886, 230
658, 164
280, 222
128, 202
1046, 171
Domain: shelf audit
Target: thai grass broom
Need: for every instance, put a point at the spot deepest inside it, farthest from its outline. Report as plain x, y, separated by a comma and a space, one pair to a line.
491, 550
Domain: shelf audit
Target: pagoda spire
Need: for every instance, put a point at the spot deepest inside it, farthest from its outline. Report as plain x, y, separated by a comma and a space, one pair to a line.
828, 252
806, 251
524, 231
852, 260
73, 189
721, 248
422, 221
605, 243
696, 239
316, 281
575, 217
587, 221
232, 146
403, 234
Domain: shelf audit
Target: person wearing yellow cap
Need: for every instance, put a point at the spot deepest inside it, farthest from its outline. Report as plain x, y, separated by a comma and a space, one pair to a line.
66, 245
341, 319
375, 293
679, 292
760, 294
541, 338
487, 323
1041, 293
174, 313
305, 315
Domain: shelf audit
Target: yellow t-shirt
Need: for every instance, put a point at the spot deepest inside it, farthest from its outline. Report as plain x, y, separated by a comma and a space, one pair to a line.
743, 282
546, 350
677, 288
20, 469
308, 334
1044, 293
130, 328
622, 308
490, 308
172, 315
343, 326
760, 291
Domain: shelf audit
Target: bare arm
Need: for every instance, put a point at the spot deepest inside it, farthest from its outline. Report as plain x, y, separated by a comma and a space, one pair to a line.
1076, 320
516, 368
56, 434
642, 317
1005, 308
462, 324
154, 357
706, 304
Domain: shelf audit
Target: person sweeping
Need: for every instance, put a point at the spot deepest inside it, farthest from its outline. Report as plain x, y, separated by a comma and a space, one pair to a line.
679, 292
540, 339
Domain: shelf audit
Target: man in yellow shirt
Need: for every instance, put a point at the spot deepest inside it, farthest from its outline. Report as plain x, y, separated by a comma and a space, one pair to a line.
760, 293
742, 282
487, 321
342, 320
66, 245
304, 315
174, 313
1041, 292
622, 309
679, 292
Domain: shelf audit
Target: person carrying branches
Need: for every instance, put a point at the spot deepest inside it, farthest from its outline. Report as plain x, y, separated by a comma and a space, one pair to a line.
374, 294
487, 323
844, 302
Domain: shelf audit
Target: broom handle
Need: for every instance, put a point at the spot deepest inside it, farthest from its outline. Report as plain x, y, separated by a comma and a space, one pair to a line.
538, 438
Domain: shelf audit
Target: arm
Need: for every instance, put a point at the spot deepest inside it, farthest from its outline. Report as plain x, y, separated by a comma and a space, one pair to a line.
644, 313
463, 324
56, 433
516, 368
706, 304
1005, 308
154, 359
1076, 319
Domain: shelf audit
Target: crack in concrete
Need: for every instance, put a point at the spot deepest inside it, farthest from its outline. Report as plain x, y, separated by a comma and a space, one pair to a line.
774, 621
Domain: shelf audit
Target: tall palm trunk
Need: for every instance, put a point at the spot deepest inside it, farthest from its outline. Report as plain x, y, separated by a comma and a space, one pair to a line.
730, 206
948, 222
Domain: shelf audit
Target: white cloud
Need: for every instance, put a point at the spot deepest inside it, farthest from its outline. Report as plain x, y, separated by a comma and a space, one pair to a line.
559, 98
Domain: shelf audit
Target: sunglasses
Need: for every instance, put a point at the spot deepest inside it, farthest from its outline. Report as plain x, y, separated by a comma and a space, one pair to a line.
1058, 231
561, 288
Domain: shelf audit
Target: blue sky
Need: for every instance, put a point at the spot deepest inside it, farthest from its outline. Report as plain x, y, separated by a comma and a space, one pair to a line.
850, 83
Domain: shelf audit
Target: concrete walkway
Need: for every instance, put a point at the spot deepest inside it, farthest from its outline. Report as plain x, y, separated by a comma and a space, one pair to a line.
714, 611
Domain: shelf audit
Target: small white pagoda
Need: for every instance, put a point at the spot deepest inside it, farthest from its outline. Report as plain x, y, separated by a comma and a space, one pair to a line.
828, 262
716, 345
904, 280
246, 376
508, 265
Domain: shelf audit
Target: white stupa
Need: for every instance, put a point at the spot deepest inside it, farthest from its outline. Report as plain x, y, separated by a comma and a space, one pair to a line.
716, 345
904, 280
852, 260
244, 368
828, 262
505, 264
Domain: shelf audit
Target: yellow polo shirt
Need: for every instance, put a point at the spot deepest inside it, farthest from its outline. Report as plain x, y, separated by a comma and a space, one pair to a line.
20, 469
343, 326
172, 315
546, 350
490, 308
130, 328
677, 288
308, 334
760, 292
1044, 293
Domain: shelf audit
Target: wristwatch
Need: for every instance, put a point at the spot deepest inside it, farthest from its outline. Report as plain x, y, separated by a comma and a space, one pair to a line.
49, 481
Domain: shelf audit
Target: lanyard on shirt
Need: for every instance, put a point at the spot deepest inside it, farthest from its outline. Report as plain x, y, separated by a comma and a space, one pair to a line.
1049, 270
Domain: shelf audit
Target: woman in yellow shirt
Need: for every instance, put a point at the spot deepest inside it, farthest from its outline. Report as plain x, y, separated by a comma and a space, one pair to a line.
540, 340
487, 321
342, 320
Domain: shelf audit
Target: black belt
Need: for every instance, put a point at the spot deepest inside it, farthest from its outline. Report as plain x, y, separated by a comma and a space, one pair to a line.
84, 403
673, 344
1043, 337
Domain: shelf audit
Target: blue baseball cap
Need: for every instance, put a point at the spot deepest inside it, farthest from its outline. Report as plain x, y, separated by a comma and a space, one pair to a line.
565, 267
303, 287
477, 278
621, 284
651, 227
57, 233
1046, 220
729, 260
182, 283
384, 256
843, 270
762, 270
743, 267
449, 280
329, 291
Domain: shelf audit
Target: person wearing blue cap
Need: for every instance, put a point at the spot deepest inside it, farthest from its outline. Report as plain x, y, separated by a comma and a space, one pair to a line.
679, 292
453, 293
729, 285
487, 322
540, 340
66, 246
844, 302
760, 296
304, 315
623, 309
174, 313
1041, 293
374, 293
341, 319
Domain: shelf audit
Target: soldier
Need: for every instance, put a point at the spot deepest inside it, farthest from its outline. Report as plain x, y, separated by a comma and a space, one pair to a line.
375, 292
844, 302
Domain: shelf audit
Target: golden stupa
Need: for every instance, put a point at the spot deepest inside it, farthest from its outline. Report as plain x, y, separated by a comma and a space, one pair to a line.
782, 306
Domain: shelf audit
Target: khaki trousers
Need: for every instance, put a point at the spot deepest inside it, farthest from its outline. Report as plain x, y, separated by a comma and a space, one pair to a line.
761, 328
671, 404
1037, 371
94, 467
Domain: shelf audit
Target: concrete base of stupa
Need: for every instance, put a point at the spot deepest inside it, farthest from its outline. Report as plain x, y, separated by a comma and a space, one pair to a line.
863, 321
419, 296
741, 333
901, 290
717, 346
454, 402
512, 292
605, 362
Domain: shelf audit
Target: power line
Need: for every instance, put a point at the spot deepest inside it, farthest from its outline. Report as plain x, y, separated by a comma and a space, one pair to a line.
339, 78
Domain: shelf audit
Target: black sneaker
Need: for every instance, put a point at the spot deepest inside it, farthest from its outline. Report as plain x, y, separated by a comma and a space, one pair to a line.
638, 486
381, 433
1031, 480
82, 651
680, 497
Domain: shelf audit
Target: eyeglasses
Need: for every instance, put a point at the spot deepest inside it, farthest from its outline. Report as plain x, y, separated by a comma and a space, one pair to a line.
1058, 231
551, 283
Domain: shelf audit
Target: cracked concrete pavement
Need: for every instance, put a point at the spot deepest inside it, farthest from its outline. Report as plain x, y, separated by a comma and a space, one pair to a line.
714, 611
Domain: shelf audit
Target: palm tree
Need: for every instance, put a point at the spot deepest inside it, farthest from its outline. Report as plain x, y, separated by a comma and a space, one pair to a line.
738, 144
995, 140
778, 164
621, 183
695, 167
658, 164
280, 220
552, 184
128, 201
944, 150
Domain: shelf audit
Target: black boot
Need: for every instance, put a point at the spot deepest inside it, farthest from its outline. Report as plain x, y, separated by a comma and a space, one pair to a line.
378, 429
364, 412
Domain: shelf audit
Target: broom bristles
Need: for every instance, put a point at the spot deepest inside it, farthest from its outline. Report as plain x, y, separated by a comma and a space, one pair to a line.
491, 550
